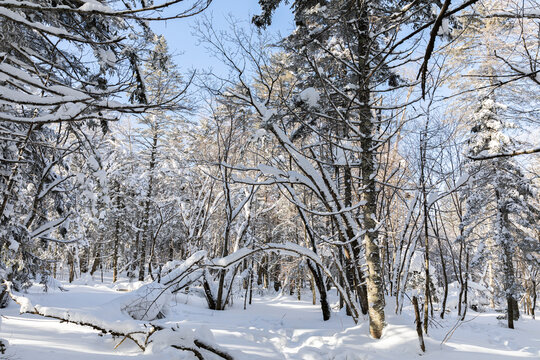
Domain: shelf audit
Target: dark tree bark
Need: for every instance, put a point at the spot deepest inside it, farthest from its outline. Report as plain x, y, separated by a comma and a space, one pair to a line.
418, 324
533, 298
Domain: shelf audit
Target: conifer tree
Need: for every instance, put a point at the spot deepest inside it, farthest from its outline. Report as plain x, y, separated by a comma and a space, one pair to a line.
499, 189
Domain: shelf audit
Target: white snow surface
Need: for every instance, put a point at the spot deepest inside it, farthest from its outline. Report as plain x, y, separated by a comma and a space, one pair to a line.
275, 326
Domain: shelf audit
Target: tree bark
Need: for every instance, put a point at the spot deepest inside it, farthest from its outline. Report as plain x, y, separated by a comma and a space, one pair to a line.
116, 236
146, 218
533, 298
375, 288
418, 324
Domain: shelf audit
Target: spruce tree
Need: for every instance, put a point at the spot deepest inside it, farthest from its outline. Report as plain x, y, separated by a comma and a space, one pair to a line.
500, 189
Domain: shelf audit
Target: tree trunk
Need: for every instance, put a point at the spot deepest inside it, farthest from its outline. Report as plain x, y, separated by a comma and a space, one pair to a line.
510, 311
208, 294
131, 273
319, 282
251, 284
445, 279
427, 295
97, 260
221, 285
4, 296
171, 249
146, 218
533, 298
507, 248
375, 287
312, 286
466, 286
116, 238
491, 284
418, 324
71, 263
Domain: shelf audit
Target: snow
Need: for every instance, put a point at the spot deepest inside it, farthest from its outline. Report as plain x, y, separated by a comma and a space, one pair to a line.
93, 5
275, 326
13, 245
432, 198
16, 17
25, 305
50, 186
147, 302
444, 30
462, 179
258, 135
66, 112
92, 163
107, 56
310, 96
51, 284
178, 273
47, 227
10, 95
266, 113
417, 262
232, 258
101, 175
270, 170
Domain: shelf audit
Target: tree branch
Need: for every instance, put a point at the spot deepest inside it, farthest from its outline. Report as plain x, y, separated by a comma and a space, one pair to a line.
506, 154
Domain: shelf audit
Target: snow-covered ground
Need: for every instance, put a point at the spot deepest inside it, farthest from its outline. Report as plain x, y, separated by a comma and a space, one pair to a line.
273, 327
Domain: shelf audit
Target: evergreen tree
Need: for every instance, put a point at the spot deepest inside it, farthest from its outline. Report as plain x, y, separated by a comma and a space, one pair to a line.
501, 190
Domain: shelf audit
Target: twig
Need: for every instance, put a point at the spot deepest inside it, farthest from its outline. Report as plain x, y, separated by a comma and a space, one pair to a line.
454, 328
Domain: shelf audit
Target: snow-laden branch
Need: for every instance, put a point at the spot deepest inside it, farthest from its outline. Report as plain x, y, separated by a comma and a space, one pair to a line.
94, 8
48, 226
48, 29
290, 249
506, 154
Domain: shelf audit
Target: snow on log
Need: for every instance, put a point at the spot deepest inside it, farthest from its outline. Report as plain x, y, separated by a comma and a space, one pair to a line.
148, 337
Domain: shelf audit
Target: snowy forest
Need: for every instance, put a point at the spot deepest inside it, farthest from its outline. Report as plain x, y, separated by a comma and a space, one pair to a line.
363, 186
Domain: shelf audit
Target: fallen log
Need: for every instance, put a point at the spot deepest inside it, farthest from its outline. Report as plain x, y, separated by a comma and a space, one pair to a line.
142, 338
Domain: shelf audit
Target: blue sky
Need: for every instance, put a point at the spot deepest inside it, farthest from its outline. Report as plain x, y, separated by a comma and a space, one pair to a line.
184, 45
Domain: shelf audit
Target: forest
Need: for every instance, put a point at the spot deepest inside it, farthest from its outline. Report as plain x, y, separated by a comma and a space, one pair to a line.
364, 186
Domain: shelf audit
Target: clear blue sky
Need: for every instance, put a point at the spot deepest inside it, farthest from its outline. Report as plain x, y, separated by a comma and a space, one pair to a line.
184, 45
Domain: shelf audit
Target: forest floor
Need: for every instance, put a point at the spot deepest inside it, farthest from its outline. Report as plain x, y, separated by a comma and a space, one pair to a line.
273, 327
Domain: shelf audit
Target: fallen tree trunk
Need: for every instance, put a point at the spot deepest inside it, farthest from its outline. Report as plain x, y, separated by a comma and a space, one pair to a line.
142, 337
